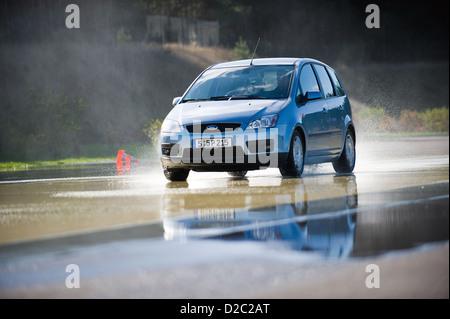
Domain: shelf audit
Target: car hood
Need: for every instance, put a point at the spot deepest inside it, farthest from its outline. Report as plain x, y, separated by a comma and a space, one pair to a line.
237, 111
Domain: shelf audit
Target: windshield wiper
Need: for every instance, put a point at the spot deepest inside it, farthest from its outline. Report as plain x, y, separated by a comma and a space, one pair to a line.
218, 98
225, 97
235, 97
245, 97
193, 100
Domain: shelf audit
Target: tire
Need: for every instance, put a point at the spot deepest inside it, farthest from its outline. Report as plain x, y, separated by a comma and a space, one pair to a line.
346, 162
293, 167
176, 175
237, 173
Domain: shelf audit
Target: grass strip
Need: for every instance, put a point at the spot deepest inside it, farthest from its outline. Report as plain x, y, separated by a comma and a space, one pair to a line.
17, 166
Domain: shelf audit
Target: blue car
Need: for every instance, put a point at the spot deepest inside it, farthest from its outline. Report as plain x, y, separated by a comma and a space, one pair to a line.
252, 114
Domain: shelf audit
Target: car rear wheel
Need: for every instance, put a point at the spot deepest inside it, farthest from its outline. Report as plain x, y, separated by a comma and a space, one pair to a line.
176, 175
293, 167
347, 160
237, 173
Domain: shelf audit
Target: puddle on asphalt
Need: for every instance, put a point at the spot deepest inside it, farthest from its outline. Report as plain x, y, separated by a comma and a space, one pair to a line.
337, 227
324, 214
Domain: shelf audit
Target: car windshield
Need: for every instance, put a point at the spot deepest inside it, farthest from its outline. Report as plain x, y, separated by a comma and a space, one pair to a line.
249, 82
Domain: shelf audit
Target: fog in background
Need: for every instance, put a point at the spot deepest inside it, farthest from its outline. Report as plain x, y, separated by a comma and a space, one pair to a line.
72, 92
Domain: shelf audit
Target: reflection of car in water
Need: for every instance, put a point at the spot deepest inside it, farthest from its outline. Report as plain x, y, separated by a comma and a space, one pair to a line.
325, 225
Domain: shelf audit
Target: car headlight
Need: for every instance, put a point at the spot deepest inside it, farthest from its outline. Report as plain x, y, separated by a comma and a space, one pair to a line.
170, 126
264, 122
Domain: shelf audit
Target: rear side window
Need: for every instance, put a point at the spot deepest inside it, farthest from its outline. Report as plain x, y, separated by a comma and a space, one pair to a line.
308, 81
337, 84
328, 89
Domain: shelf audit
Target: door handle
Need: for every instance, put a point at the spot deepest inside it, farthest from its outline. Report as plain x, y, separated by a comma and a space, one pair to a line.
325, 111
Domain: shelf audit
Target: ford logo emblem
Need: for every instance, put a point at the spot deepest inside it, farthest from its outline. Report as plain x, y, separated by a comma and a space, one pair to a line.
212, 127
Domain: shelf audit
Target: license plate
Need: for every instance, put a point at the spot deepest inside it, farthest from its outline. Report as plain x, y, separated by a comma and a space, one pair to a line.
212, 142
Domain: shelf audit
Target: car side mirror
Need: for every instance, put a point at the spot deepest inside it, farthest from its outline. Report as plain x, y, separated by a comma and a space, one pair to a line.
308, 96
176, 100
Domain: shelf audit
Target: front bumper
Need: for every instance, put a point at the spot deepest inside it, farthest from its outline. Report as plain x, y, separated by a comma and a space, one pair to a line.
250, 150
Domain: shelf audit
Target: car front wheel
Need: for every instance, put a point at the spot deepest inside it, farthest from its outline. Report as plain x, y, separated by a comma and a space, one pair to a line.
176, 175
347, 160
293, 167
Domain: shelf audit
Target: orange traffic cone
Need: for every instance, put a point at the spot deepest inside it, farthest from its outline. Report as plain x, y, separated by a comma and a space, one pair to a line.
124, 158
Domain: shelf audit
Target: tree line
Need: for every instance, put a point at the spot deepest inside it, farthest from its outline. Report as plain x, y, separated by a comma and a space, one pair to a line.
327, 29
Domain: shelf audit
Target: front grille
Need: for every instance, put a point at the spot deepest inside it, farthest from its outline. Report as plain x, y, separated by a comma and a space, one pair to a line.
221, 127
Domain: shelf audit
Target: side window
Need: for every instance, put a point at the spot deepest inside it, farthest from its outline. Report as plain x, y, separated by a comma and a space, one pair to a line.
328, 89
308, 81
337, 83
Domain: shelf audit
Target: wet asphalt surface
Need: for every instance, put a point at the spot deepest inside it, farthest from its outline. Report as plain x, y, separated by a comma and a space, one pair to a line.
136, 235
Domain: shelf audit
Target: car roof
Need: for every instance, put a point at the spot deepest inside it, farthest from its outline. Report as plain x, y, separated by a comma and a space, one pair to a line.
263, 61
